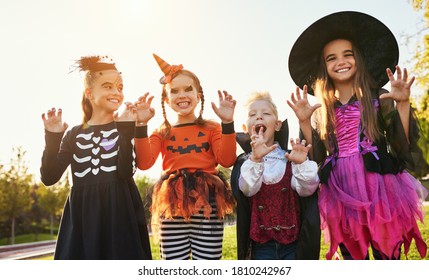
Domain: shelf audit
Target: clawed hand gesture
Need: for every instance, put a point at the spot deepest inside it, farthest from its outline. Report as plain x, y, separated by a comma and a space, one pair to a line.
225, 111
400, 87
299, 151
144, 110
129, 114
52, 121
259, 147
300, 105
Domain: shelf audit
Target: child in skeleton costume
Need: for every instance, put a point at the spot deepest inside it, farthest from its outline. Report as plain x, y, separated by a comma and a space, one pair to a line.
191, 198
103, 217
363, 136
273, 180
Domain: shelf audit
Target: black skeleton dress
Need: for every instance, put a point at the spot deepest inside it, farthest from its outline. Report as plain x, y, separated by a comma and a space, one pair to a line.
103, 217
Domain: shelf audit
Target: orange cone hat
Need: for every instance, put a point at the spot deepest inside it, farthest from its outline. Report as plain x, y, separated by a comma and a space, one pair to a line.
167, 69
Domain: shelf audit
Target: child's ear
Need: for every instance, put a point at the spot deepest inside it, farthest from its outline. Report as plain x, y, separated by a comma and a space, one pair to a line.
88, 93
278, 125
244, 127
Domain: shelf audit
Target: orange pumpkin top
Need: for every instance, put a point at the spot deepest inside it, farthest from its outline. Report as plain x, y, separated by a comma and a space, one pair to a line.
189, 146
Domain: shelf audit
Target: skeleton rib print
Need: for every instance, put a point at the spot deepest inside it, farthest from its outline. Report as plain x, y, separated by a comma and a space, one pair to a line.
95, 152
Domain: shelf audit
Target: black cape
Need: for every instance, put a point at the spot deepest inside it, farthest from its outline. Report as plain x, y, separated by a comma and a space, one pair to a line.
308, 247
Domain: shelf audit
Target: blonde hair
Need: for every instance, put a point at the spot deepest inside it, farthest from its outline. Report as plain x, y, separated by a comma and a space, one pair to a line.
264, 96
363, 87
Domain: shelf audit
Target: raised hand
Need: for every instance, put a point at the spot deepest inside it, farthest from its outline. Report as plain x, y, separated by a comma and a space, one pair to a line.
259, 146
129, 114
299, 151
303, 110
400, 87
225, 111
52, 121
144, 110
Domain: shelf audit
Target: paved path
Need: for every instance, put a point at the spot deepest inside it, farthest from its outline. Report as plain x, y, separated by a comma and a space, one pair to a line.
27, 250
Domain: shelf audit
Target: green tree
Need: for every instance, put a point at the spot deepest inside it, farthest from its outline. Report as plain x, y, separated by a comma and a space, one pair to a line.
15, 190
144, 185
52, 198
421, 54
421, 71
226, 172
2, 201
35, 217
423, 116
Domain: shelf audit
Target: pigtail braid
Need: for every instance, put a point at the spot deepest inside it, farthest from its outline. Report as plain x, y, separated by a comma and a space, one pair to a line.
166, 126
200, 120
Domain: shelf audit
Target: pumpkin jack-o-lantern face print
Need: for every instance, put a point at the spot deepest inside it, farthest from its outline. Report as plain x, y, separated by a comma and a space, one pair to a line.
189, 144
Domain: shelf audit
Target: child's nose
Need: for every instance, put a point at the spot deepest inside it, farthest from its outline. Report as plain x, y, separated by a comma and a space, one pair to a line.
117, 91
341, 60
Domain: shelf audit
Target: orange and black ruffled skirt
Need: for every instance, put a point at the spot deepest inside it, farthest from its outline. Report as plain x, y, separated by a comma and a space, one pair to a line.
183, 194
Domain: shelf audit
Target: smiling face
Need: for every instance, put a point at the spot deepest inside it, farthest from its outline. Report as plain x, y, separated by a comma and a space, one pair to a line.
183, 97
340, 61
262, 115
105, 93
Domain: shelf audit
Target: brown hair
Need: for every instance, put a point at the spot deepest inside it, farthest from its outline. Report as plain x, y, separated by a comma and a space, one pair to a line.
93, 67
86, 103
165, 127
363, 87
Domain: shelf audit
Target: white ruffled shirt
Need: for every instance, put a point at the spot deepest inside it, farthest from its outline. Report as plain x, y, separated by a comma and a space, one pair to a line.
305, 180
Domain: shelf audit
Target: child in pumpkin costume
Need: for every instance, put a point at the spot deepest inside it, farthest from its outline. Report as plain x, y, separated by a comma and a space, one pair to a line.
191, 199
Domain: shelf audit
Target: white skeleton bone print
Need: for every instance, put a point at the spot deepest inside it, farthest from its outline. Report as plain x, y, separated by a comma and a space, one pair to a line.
96, 149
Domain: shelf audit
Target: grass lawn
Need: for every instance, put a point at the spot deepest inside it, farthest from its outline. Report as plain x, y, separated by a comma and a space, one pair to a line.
27, 238
230, 250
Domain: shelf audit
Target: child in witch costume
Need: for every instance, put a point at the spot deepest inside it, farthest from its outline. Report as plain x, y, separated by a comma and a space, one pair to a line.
191, 199
363, 136
104, 216
268, 182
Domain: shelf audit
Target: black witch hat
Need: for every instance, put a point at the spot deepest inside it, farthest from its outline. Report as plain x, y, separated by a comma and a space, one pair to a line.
377, 43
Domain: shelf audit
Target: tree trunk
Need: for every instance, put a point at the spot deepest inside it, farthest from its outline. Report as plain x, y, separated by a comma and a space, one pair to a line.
36, 231
12, 241
52, 225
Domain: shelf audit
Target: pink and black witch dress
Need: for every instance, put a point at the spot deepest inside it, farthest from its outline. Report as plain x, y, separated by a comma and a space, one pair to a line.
367, 197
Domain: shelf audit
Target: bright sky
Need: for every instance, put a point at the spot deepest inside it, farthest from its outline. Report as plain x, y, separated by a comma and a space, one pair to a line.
240, 46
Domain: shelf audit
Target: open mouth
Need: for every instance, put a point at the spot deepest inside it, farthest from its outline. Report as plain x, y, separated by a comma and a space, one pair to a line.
113, 100
183, 104
343, 70
258, 127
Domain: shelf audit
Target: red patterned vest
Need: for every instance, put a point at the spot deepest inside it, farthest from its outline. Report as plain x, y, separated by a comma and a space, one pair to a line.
275, 212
